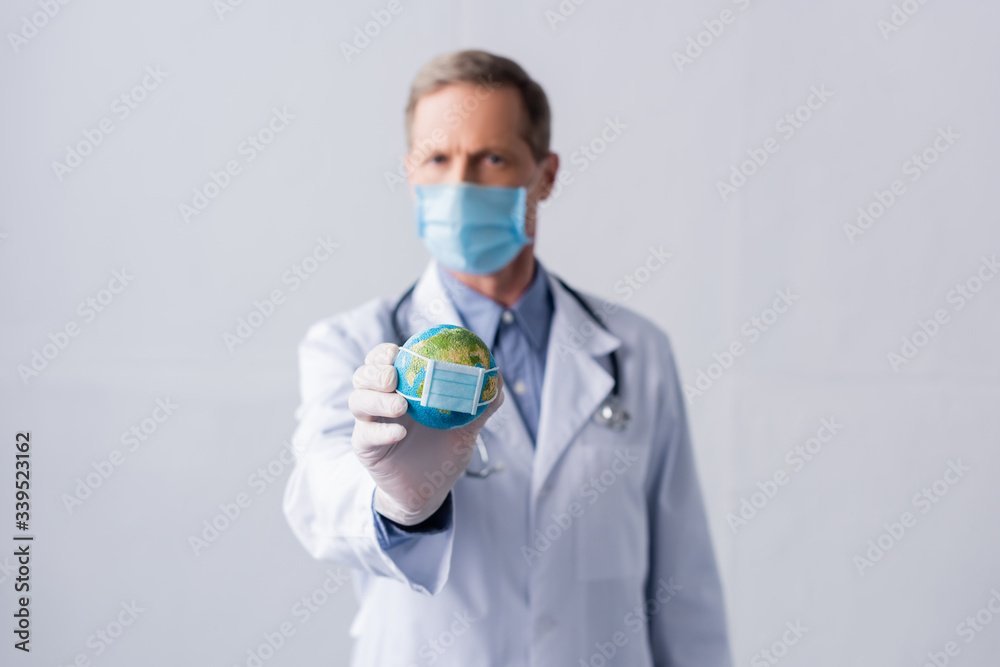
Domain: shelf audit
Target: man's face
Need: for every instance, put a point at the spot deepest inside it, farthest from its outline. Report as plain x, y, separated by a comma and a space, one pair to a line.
473, 133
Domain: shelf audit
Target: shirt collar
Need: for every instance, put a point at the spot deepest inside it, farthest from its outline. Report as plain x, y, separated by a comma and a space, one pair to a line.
481, 314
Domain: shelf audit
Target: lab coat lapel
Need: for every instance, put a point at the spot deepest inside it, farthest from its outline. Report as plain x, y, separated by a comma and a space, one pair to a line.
575, 383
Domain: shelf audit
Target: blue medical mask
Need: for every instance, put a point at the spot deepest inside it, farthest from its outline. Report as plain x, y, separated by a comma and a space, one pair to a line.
471, 228
451, 386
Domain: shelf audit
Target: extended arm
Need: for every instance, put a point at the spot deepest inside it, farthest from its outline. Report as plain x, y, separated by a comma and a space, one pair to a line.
329, 495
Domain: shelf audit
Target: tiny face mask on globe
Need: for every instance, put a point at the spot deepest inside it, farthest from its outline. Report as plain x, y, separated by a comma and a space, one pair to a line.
471, 228
450, 386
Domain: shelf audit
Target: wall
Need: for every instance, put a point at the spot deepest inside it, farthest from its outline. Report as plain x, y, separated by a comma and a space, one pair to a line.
199, 78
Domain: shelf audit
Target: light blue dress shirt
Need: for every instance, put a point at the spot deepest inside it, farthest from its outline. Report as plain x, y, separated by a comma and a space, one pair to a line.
519, 338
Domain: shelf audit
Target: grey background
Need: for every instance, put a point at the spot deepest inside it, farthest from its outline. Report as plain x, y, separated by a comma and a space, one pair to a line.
656, 185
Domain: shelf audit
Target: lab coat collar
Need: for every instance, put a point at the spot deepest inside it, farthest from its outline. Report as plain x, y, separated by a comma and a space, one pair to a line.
575, 382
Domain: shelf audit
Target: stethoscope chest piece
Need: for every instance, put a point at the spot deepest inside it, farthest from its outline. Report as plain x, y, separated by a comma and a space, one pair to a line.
487, 467
612, 413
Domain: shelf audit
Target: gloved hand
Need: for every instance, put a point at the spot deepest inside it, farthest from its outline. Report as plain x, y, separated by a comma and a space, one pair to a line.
414, 466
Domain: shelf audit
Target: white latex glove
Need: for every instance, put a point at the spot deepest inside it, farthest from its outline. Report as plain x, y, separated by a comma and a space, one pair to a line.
414, 466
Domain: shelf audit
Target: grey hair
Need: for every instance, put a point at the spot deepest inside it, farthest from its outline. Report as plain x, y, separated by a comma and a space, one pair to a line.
474, 66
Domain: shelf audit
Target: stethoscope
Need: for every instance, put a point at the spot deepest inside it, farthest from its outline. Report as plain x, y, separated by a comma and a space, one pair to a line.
611, 412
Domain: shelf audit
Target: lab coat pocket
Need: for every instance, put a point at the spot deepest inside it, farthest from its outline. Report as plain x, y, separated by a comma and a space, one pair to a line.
612, 534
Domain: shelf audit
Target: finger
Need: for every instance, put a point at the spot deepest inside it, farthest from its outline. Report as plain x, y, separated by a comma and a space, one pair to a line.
368, 405
383, 353
368, 435
380, 377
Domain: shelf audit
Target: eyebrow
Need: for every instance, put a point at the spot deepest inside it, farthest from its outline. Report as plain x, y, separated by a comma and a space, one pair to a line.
479, 153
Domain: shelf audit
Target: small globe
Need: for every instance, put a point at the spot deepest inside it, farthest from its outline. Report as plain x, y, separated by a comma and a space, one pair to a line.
444, 342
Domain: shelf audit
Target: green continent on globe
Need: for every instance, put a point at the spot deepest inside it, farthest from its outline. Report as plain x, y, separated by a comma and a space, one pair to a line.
457, 345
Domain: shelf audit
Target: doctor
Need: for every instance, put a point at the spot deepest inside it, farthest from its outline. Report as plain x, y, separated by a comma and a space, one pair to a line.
564, 526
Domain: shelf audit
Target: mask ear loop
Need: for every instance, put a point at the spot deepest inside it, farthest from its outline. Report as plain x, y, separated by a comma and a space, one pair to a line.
479, 392
426, 377
429, 373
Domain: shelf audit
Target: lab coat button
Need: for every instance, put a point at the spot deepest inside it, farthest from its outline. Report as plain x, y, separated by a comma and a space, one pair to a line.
508, 316
520, 387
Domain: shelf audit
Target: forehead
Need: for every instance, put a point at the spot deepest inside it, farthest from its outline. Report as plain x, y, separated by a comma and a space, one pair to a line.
470, 114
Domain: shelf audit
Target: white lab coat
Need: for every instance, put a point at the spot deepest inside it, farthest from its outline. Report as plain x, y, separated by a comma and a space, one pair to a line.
592, 544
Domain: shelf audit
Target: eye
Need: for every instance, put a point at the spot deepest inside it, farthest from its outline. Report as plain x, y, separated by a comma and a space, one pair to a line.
493, 158
438, 159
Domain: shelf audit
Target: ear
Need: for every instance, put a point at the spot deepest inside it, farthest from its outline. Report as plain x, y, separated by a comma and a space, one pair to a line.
546, 180
550, 169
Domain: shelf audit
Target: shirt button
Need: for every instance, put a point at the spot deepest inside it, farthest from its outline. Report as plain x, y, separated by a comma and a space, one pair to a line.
508, 316
520, 387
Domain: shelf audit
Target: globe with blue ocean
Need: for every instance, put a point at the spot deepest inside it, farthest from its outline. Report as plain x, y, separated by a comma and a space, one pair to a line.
449, 343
